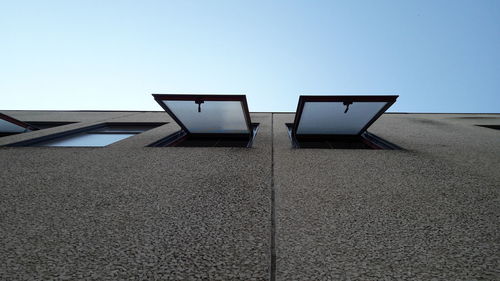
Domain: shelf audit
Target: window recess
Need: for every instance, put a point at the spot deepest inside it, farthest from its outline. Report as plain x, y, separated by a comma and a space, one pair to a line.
339, 122
208, 120
494, 127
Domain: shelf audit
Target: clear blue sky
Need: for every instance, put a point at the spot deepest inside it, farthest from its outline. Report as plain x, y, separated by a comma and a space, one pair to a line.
439, 56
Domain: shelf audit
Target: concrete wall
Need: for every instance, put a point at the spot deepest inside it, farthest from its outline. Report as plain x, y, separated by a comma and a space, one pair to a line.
266, 213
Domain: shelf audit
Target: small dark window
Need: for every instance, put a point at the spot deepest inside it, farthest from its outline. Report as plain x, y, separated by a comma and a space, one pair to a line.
181, 139
93, 136
46, 125
494, 127
339, 122
208, 121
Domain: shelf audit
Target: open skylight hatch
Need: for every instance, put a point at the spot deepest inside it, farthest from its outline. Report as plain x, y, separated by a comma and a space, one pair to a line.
208, 120
339, 122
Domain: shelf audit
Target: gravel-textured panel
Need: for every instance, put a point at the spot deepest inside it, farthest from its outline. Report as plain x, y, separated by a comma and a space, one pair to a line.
381, 215
136, 213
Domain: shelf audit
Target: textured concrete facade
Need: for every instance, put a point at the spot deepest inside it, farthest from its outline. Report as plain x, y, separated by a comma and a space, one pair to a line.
270, 212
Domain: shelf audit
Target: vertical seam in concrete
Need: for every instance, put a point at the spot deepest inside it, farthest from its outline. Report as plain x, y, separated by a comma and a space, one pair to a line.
273, 211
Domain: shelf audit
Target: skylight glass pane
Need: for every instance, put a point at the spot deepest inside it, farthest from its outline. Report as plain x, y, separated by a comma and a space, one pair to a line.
86, 139
8, 127
328, 118
215, 117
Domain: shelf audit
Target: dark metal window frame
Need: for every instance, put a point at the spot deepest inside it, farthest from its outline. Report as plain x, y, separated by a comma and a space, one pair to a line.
87, 129
389, 99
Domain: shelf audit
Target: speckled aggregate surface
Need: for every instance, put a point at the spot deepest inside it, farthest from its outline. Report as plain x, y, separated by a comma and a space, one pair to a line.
130, 212
135, 213
418, 214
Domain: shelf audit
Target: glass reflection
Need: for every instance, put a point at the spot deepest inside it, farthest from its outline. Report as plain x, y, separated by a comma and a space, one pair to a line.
331, 118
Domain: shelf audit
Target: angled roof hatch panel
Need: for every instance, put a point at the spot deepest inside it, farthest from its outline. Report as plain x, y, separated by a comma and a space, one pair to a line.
338, 115
208, 114
12, 125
